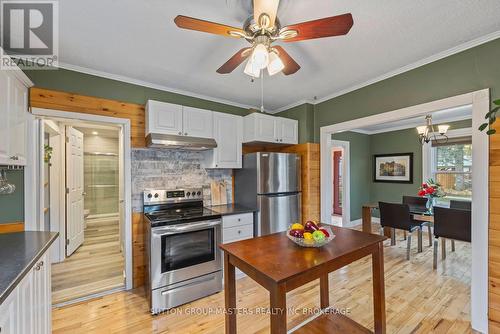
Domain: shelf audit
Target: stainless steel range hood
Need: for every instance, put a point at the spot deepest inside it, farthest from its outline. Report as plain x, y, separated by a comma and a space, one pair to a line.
180, 142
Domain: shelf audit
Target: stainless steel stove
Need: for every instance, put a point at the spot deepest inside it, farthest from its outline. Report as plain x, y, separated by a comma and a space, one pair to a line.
184, 259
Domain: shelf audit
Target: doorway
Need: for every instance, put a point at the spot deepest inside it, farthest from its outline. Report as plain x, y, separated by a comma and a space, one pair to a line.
337, 186
480, 102
83, 191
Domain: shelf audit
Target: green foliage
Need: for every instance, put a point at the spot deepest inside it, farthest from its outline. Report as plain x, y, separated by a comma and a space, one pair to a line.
491, 116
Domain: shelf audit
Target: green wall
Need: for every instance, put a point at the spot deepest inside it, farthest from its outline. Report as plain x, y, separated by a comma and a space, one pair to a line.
363, 147
304, 113
471, 70
360, 172
12, 206
91, 85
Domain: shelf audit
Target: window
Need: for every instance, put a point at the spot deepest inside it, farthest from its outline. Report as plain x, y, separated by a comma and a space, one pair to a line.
452, 167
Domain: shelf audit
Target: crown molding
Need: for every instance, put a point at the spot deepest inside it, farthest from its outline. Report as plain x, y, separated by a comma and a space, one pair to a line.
438, 56
148, 84
441, 55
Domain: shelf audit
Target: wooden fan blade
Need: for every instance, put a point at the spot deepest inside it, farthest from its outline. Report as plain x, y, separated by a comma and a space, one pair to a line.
291, 65
234, 61
326, 27
186, 22
269, 7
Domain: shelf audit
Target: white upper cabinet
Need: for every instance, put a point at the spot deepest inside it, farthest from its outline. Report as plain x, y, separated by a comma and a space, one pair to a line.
174, 119
228, 133
288, 131
4, 119
270, 129
163, 118
13, 119
197, 122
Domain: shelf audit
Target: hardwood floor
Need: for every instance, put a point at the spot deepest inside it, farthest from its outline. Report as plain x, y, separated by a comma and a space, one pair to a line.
95, 267
418, 300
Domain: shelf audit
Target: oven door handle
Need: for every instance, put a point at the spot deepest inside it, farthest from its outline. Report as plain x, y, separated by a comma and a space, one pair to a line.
181, 228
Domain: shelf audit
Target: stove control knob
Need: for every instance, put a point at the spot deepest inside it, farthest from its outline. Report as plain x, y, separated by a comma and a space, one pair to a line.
198, 193
150, 195
156, 195
188, 194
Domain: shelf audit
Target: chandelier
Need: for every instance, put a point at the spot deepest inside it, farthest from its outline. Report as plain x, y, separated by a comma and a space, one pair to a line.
427, 132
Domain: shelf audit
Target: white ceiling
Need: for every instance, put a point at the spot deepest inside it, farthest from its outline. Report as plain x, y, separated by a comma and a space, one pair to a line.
137, 41
438, 117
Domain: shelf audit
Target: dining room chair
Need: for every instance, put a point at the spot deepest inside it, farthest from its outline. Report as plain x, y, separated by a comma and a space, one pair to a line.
458, 204
419, 204
398, 217
454, 224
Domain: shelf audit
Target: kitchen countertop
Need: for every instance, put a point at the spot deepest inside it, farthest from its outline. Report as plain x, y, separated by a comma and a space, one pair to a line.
231, 209
18, 254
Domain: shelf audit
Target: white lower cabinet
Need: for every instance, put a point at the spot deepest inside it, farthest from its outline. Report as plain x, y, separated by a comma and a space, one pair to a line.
28, 308
237, 227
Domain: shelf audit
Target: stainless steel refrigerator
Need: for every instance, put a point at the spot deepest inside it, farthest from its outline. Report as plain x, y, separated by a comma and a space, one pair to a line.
270, 182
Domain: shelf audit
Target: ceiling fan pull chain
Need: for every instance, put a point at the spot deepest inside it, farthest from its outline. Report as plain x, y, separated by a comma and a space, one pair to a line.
262, 91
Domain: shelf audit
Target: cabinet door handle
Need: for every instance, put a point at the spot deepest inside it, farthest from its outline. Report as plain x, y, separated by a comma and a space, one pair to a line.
239, 219
37, 268
180, 133
185, 133
14, 157
281, 140
239, 231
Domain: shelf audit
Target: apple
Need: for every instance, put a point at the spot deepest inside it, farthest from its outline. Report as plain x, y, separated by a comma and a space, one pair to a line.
310, 226
296, 233
318, 236
325, 232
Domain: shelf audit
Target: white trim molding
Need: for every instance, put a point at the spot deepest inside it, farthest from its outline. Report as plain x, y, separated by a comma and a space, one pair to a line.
124, 124
480, 101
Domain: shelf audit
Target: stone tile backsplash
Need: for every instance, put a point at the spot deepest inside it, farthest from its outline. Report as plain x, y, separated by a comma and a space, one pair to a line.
170, 169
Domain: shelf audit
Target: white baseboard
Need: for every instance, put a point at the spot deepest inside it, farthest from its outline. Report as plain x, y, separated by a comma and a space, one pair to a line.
360, 221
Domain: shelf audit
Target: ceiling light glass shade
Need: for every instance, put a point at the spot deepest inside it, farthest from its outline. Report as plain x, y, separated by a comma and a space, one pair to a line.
443, 129
275, 64
422, 129
251, 69
260, 56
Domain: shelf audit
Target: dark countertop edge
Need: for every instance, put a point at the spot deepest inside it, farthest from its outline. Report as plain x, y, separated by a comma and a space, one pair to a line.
231, 209
15, 282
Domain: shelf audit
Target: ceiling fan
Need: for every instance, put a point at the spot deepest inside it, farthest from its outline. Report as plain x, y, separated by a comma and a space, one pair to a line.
261, 30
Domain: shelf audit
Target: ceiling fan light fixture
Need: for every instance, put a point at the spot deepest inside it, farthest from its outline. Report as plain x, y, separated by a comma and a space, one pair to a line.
251, 69
275, 64
260, 56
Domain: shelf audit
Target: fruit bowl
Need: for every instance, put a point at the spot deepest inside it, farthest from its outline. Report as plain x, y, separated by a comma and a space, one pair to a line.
311, 234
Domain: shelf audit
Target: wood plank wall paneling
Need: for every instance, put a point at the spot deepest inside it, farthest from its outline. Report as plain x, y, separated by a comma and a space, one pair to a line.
310, 156
139, 269
494, 235
51, 99
12, 227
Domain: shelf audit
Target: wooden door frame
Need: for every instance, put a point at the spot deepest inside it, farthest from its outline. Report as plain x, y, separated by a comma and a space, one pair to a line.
480, 101
126, 156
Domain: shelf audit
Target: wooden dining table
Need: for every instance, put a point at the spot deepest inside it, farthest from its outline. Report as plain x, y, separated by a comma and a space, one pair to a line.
280, 266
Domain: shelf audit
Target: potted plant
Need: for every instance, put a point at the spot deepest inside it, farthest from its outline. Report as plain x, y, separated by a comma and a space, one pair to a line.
491, 116
430, 190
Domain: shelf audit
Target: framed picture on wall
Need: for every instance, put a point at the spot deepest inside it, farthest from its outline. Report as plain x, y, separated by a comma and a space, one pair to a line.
393, 168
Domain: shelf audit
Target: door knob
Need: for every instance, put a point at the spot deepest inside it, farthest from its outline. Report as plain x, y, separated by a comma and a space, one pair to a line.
84, 193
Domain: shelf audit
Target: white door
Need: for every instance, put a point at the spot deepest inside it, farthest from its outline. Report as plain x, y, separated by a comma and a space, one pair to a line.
197, 122
228, 130
164, 118
4, 119
266, 130
288, 131
74, 190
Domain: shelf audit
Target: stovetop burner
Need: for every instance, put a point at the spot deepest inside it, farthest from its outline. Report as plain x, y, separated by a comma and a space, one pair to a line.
168, 207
